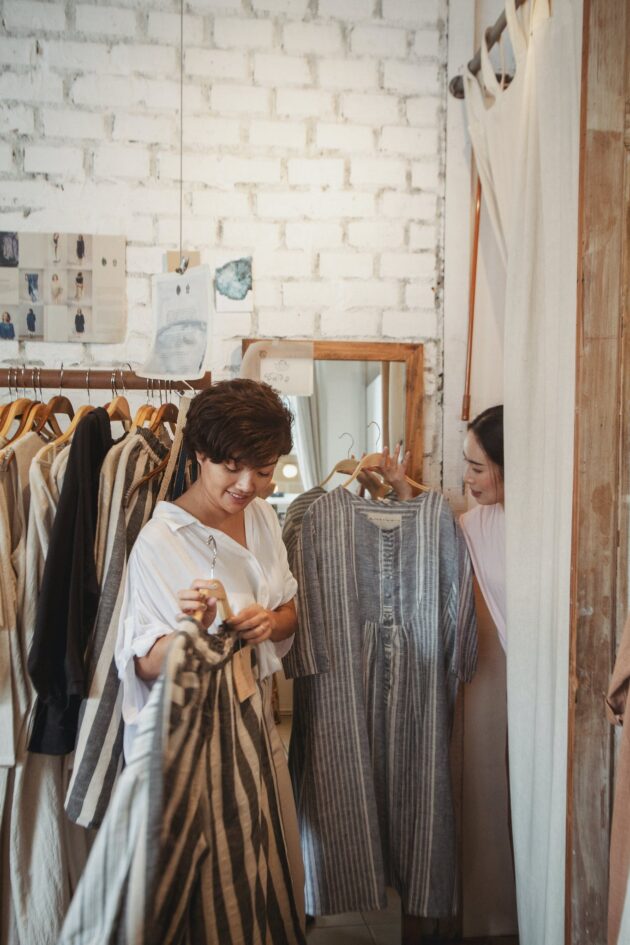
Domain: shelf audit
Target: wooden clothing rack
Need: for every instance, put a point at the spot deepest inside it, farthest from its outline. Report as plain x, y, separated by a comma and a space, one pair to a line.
25, 376
493, 34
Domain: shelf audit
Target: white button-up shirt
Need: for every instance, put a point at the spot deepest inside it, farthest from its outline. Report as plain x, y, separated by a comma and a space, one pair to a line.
171, 551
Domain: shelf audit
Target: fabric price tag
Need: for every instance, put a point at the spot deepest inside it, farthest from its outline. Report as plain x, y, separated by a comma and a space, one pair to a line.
384, 521
244, 681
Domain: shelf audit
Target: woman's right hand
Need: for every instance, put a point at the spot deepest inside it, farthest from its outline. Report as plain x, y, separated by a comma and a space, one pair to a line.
393, 471
196, 598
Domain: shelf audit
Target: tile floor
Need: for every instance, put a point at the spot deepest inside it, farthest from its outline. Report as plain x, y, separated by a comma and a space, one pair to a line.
382, 927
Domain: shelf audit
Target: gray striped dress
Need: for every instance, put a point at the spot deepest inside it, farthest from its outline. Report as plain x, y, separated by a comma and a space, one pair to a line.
192, 849
386, 630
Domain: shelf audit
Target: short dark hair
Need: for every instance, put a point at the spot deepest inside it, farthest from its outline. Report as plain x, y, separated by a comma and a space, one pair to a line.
488, 429
240, 420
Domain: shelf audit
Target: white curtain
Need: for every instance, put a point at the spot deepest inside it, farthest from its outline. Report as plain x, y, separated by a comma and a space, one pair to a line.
307, 435
526, 141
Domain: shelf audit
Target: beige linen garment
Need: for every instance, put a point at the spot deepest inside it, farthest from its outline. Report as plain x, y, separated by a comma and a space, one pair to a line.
42, 854
617, 699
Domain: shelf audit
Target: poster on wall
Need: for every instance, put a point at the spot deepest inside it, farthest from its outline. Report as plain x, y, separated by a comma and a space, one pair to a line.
62, 287
233, 284
182, 306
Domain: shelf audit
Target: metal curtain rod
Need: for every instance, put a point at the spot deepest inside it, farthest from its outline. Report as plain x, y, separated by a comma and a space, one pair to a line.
87, 379
492, 34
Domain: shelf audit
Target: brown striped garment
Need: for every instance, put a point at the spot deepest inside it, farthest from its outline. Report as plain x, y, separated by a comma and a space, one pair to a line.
192, 848
123, 509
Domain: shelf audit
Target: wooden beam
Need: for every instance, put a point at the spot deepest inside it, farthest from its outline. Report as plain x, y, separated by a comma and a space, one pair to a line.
596, 488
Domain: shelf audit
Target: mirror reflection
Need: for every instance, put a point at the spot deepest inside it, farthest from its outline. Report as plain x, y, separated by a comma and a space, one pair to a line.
356, 407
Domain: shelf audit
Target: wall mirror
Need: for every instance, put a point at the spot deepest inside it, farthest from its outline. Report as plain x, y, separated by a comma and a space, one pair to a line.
366, 395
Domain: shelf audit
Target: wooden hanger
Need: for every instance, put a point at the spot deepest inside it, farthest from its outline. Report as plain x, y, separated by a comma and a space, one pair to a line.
118, 409
165, 413
154, 472
74, 423
30, 419
143, 415
345, 466
374, 459
57, 406
244, 683
217, 591
16, 410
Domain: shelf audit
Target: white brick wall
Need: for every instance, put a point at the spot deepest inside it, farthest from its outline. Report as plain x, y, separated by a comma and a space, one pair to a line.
313, 139
30, 16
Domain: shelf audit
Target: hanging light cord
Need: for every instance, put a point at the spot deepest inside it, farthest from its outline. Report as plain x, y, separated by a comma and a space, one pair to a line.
181, 125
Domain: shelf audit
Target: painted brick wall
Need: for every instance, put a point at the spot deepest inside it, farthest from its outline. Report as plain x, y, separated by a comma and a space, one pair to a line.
313, 139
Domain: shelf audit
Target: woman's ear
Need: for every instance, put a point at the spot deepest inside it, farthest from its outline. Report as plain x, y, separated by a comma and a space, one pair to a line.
200, 457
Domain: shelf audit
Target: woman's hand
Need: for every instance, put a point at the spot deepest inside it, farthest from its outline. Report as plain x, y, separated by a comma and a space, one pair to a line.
253, 624
194, 599
394, 472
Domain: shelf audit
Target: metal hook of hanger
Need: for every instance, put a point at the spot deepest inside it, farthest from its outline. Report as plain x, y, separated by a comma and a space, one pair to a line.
23, 380
112, 383
39, 384
87, 384
33, 383
187, 385
378, 439
122, 377
351, 445
183, 265
60, 378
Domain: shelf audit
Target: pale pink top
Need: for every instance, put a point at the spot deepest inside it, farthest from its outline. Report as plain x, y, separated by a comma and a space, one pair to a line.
484, 531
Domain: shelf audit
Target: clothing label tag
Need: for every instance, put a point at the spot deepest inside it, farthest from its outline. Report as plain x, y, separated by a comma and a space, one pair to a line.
243, 676
385, 521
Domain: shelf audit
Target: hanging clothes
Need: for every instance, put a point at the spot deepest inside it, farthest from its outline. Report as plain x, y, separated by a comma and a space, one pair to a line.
124, 508
192, 846
69, 593
38, 850
386, 630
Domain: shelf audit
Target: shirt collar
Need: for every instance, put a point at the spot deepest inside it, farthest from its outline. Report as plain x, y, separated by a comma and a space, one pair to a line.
175, 516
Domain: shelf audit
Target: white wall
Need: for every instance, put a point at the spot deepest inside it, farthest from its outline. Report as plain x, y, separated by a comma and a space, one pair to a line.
313, 138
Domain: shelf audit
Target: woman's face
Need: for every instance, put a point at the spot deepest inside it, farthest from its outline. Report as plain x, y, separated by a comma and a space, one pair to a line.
6, 317
481, 475
230, 487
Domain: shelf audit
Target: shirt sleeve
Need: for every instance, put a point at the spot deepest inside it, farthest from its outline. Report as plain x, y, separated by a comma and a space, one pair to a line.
285, 587
146, 615
282, 589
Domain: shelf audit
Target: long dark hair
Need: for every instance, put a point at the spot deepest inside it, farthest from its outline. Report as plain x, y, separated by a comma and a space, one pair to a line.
488, 429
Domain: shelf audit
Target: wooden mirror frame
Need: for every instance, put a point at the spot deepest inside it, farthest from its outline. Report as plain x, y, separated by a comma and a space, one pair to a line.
412, 355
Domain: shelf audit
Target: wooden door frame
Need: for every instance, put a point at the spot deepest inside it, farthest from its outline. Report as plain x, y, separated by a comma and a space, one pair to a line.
602, 460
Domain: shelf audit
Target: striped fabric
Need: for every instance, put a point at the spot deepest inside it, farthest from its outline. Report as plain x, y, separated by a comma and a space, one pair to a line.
98, 752
293, 521
386, 630
192, 848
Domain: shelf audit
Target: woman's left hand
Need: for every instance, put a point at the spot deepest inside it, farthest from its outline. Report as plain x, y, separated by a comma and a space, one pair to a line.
253, 624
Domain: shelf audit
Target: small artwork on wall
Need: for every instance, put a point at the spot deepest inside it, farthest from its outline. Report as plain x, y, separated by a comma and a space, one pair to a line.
9, 250
233, 284
63, 287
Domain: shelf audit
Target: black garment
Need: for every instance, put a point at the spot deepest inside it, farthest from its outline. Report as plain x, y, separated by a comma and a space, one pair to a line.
30, 320
80, 248
79, 323
69, 593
